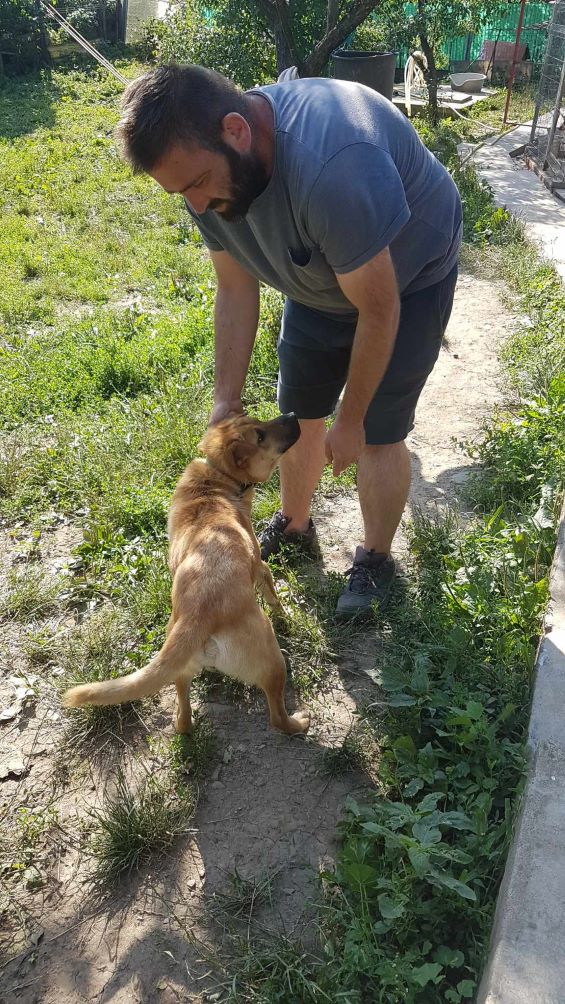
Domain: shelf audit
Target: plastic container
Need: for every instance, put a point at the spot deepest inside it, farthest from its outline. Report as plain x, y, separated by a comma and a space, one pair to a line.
375, 69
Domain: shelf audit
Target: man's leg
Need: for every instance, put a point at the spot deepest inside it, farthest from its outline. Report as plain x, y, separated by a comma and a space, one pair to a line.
300, 470
383, 483
383, 471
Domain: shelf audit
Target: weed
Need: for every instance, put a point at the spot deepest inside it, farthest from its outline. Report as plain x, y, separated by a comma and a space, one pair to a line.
277, 971
243, 897
99, 649
33, 593
353, 753
187, 756
23, 848
136, 823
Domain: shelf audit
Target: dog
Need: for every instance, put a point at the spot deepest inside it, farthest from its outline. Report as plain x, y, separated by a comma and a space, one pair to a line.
215, 562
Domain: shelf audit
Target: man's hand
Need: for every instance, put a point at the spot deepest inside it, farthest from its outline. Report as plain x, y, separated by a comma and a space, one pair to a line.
344, 444
225, 409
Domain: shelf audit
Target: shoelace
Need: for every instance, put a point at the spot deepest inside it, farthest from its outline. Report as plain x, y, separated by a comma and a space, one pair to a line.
362, 576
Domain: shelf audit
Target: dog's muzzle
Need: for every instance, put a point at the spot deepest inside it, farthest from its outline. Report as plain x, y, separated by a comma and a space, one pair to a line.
289, 430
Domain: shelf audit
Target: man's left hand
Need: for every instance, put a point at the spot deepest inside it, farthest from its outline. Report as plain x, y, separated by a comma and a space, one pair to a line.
345, 442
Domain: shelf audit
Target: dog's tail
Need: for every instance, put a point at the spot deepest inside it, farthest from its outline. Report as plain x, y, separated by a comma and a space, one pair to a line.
164, 668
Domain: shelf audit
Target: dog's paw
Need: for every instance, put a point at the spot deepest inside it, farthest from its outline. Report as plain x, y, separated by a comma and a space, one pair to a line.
300, 722
183, 725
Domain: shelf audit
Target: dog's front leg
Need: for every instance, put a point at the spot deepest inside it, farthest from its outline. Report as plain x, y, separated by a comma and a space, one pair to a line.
267, 589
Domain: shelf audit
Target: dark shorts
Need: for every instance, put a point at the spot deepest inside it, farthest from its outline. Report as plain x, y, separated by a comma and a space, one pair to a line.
314, 353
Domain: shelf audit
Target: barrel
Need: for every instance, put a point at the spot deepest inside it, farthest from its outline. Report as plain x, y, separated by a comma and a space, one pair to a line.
375, 69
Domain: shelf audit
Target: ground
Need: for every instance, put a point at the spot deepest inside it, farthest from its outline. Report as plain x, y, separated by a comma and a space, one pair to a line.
268, 810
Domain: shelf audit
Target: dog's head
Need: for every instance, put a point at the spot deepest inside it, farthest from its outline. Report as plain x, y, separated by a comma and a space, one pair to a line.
249, 450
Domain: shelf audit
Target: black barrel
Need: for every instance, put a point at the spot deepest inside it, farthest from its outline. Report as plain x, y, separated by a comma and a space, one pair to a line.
375, 69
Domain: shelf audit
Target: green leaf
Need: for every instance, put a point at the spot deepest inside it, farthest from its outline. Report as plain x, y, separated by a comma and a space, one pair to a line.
466, 988
426, 832
429, 802
413, 787
390, 909
406, 745
458, 820
358, 873
450, 882
401, 701
419, 860
428, 973
449, 957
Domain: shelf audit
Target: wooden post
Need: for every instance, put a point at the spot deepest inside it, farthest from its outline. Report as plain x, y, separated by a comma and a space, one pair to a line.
514, 61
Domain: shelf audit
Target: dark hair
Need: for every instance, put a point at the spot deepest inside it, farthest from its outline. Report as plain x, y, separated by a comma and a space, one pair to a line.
175, 105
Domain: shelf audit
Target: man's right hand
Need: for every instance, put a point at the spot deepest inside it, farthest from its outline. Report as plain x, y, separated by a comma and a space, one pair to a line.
225, 409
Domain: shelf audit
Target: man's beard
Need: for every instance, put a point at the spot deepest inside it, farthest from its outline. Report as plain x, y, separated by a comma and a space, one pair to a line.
248, 178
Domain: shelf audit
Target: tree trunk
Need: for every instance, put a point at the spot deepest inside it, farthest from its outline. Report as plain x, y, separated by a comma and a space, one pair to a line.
284, 55
276, 14
431, 77
332, 15
316, 61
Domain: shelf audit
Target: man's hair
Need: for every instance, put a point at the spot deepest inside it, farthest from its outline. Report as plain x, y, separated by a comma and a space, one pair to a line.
175, 105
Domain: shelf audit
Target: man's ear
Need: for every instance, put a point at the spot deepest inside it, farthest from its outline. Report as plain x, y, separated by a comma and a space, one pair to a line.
241, 452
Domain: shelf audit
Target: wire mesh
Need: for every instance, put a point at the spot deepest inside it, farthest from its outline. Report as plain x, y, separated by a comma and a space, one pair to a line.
547, 138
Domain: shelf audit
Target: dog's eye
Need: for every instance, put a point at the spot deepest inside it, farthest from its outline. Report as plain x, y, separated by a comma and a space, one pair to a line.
260, 436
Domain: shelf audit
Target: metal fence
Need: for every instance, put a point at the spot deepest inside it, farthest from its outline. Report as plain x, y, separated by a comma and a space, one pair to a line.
547, 138
469, 48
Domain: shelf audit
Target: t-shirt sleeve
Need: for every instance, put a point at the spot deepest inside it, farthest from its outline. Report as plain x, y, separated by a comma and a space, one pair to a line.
357, 206
211, 242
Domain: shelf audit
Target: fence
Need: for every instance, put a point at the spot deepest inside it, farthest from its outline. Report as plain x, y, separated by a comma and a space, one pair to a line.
502, 28
547, 139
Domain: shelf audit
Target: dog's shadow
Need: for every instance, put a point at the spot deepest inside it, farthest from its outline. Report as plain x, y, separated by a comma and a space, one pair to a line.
265, 825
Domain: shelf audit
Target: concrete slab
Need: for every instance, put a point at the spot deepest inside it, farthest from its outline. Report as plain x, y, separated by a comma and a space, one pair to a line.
522, 193
527, 959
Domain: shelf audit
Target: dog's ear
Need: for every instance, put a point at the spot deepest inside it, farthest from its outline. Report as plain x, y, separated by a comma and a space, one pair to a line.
242, 451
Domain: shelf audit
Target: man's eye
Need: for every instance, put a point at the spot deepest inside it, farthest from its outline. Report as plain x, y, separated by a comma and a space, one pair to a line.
260, 436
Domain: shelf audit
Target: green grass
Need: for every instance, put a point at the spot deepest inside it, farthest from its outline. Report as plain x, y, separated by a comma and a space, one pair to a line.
106, 372
137, 822
33, 593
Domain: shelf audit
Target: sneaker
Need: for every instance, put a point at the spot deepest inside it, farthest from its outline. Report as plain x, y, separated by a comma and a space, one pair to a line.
370, 579
273, 537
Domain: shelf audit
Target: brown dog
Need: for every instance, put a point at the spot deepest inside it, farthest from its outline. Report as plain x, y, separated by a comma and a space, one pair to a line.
216, 565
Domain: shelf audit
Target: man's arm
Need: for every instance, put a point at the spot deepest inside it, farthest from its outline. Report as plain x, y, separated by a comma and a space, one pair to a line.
236, 316
373, 290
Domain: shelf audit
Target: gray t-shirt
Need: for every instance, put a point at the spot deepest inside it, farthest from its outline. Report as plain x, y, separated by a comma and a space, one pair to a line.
350, 177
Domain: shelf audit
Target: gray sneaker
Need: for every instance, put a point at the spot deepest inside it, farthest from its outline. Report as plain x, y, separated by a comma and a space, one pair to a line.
273, 537
370, 579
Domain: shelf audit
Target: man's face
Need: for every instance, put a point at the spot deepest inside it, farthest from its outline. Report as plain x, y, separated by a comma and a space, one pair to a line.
225, 180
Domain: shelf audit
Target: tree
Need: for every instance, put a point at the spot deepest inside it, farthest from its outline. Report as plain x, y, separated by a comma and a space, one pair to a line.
341, 19
254, 40
433, 23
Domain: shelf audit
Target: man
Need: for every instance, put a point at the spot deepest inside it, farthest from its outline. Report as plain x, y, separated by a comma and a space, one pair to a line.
323, 190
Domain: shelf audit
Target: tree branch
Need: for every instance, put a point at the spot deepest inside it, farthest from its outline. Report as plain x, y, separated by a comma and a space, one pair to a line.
319, 56
332, 15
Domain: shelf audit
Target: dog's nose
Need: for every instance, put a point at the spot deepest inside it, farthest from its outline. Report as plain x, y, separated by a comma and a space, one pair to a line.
289, 419
291, 428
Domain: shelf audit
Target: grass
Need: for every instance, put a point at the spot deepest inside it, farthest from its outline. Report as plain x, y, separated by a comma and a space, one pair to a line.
105, 349
32, 593
352, 753
137, 822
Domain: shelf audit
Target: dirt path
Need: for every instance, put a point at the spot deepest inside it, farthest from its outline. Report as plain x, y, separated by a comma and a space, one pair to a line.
268, 809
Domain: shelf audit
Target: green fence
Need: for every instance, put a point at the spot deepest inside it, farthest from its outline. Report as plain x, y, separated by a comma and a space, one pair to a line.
501, 29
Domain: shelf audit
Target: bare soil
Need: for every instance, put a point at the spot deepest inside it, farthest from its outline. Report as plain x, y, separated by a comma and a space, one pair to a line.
267, 806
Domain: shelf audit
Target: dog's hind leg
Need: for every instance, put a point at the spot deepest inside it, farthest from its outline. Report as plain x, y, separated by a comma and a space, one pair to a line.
267, 589
251, 653
184, 711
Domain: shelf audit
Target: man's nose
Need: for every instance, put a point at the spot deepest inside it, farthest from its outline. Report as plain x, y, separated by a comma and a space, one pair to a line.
199, 202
